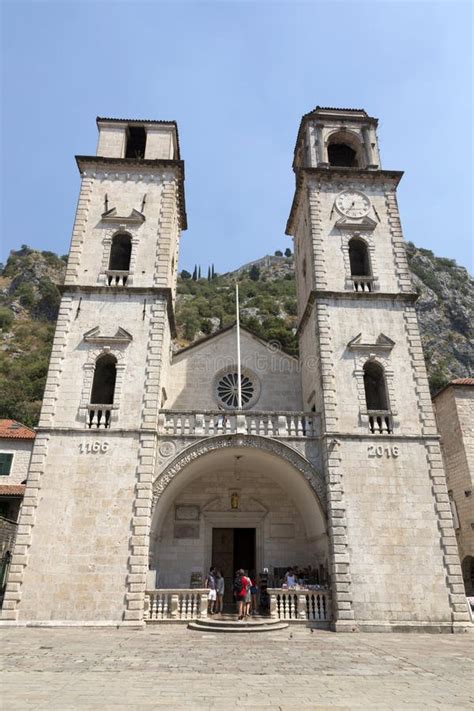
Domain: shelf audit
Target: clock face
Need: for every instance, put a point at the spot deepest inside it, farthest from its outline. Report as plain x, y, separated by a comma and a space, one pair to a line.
352, 203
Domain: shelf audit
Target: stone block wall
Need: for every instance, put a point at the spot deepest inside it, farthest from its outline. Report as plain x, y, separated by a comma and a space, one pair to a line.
454, 410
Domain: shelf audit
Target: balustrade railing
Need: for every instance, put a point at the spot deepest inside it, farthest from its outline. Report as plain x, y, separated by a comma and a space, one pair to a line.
380, 422
277, 424
363, 283
300, 604
182, 604
115, 277
99, 416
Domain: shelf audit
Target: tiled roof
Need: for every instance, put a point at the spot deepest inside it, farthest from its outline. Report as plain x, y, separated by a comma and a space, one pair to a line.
462, 381
456, 382
11, 429
12, 489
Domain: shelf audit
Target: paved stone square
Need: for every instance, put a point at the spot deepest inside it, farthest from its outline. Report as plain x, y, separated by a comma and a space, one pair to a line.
174, 668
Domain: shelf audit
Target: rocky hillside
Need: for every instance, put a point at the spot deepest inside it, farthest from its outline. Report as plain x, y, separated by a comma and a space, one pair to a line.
29, 302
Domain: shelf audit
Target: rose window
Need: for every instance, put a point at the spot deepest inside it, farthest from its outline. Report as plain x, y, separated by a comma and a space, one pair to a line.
227, 389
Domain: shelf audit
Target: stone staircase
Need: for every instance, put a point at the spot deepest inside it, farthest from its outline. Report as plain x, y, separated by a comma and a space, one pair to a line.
229, 623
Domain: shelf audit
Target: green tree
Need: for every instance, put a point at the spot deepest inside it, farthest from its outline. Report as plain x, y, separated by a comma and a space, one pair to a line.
288, 252
185, 274
278, 253
254, 273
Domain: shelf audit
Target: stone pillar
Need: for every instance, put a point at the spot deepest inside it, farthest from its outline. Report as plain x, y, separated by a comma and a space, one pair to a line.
369, 154
322, 157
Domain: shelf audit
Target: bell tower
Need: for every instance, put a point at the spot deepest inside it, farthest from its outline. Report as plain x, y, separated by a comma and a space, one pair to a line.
393, 547
82, 547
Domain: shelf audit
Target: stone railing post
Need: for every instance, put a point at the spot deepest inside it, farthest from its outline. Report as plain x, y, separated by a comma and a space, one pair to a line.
173, 611
203, 607
241, 424
282, 426
199, 425
302, 607
273, 606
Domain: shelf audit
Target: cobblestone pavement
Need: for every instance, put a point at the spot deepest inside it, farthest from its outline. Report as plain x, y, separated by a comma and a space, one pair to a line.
174, 668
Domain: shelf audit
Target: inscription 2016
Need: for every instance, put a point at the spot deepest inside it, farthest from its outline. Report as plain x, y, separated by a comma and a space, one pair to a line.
380, 450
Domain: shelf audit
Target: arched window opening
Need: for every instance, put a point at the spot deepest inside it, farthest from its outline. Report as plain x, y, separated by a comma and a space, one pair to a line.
359, 258
380, 419
374, 385
119, 261
103, 385
340, 154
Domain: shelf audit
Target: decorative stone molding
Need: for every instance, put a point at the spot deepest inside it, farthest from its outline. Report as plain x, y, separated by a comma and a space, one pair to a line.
327, 360
79, 230
398, 243
211, 444
382, 343
139, 541
121, 337
369, 240
168, 233
63, 324
135, 217
418, 370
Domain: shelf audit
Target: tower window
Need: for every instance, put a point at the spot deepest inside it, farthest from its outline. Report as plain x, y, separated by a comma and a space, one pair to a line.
120, 253
103, 385
375, 389
340, 154
359, 258
136, 142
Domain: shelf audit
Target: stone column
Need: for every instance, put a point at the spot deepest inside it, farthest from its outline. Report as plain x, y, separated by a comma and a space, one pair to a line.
369, 154
322, 157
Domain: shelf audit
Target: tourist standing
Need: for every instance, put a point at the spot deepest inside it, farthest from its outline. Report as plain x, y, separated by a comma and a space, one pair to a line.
240, 592
253, 593
212, 594
220, 587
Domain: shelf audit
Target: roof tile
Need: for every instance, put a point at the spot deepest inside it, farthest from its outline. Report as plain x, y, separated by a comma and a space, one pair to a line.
11, 429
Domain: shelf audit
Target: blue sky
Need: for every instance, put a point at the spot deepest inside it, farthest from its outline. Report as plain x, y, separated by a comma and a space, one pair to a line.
237, 76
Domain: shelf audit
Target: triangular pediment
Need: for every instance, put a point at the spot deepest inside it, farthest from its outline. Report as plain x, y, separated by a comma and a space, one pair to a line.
381, 343
134, 217
94, 336
364, 224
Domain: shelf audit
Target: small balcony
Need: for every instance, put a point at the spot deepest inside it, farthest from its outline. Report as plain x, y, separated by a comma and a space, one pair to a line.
380, 422
114, 277
207, 424
362, 283
99, 416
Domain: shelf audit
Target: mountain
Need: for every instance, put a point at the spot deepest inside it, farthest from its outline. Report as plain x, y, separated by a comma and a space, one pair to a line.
29, 301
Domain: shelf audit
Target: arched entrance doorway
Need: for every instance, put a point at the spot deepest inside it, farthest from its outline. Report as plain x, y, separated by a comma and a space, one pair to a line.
235, 501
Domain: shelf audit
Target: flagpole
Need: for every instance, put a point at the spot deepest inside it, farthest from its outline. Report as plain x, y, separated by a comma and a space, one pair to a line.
239, 374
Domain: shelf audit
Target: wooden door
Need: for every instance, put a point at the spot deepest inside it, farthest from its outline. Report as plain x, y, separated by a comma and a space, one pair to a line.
223, 558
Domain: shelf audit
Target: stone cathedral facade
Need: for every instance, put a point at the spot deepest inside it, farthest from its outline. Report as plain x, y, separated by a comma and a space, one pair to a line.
144, 472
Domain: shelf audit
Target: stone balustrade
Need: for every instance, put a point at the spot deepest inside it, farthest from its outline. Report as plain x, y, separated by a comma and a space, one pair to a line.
206, 424
175, 605
115, 277
99, 416
300, 604
380, 422
363, 283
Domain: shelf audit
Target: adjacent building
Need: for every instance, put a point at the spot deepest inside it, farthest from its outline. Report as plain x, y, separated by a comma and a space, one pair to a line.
454, 410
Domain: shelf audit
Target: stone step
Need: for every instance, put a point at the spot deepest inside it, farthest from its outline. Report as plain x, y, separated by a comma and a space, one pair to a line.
233, 625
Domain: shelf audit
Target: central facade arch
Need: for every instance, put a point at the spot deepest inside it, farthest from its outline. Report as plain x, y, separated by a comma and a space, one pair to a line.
237, 484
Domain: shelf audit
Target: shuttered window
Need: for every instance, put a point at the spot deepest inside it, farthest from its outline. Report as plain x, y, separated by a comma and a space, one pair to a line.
5, 463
